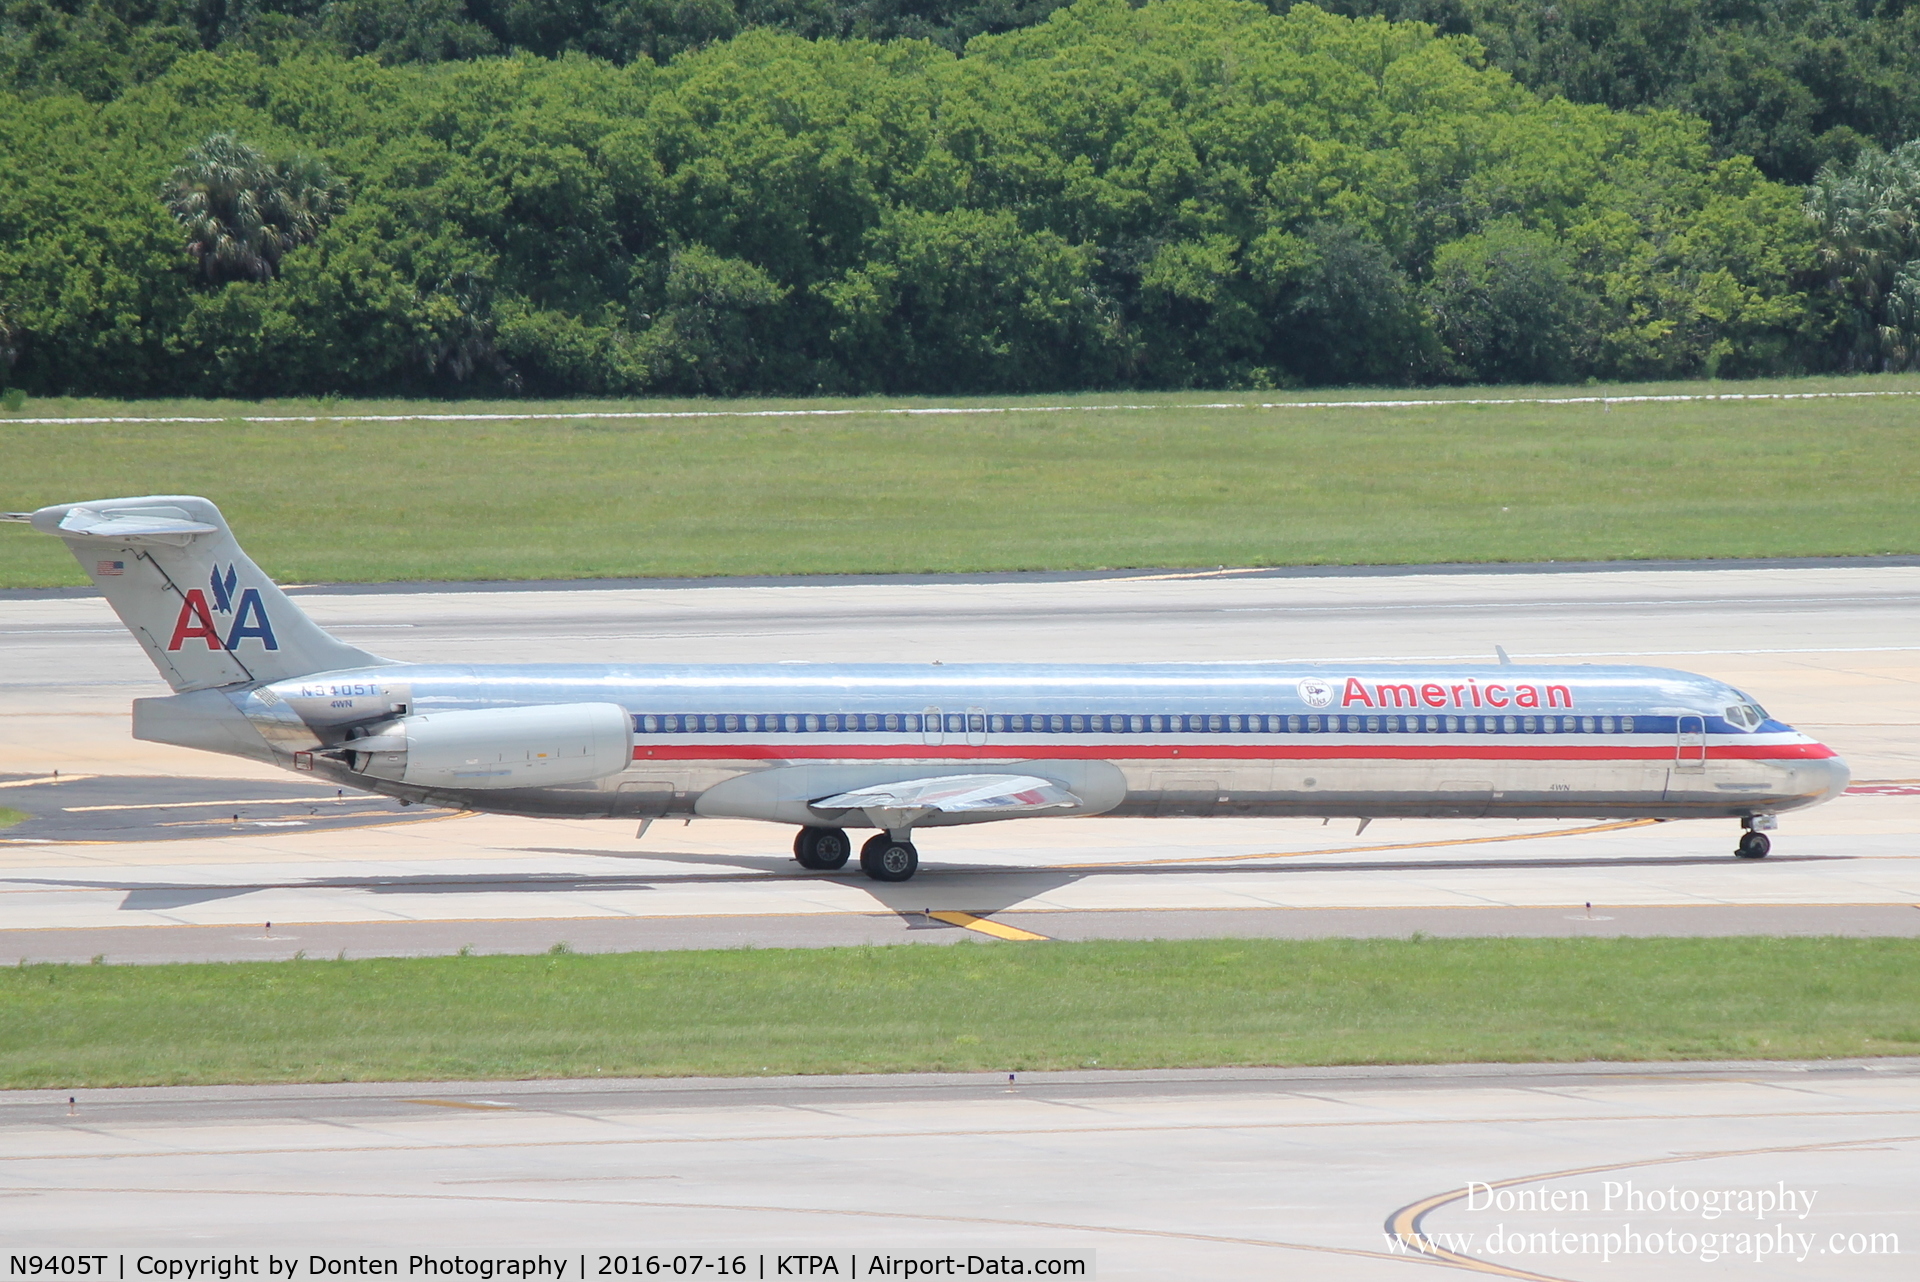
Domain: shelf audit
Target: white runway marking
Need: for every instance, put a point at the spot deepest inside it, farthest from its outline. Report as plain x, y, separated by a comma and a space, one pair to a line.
929, 410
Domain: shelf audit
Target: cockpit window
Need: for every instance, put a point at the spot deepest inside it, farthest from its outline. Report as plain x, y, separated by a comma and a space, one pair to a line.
1747, 716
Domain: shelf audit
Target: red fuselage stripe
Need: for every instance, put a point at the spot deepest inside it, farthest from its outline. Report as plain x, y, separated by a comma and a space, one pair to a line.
724, 751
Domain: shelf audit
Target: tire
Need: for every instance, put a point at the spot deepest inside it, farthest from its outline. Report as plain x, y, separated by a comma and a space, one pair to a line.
1753, 845
822, 849
885, 859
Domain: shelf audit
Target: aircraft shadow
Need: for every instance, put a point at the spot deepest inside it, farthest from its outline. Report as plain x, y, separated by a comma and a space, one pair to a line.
985, 888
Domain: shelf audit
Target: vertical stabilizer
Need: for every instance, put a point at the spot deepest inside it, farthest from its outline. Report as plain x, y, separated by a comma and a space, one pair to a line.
203, 611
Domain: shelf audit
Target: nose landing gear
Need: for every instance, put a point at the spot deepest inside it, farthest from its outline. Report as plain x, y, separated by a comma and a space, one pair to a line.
1754, 843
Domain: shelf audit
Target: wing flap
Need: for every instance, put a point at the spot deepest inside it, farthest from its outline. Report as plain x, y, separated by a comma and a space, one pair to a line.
957, 794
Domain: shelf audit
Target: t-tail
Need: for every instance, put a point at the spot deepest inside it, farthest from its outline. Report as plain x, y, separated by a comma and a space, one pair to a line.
203, 611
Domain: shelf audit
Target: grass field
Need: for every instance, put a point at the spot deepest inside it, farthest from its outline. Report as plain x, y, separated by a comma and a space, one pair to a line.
1169, 485
8, 817
964, 1007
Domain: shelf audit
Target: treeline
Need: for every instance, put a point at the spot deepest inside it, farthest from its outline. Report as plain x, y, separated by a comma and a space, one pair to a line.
1792, 83
1195, 192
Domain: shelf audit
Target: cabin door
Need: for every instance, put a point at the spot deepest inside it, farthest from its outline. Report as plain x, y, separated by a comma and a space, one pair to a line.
1690, 744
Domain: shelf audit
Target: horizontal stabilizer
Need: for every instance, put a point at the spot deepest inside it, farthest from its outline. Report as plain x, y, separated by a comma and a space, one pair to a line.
957, 794
131, 523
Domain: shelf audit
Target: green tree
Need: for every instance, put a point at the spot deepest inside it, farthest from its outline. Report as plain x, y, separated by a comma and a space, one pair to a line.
242, 212
1868, 213
1508, 307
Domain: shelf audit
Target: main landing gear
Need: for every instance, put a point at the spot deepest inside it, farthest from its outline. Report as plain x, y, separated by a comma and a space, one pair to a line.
1754, 842
884, 857
887, 858
822, 849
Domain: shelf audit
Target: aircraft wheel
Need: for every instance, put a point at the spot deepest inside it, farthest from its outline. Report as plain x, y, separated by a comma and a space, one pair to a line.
822, 849
885, 859
1753, 845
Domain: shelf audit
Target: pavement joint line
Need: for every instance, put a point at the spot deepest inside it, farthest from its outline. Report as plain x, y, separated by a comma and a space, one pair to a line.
396, 821
1365, 1121
767, 1210
1294, 1078
256, 801
1614, 826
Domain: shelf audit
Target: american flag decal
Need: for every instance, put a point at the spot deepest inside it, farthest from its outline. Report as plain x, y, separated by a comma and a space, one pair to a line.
110, 567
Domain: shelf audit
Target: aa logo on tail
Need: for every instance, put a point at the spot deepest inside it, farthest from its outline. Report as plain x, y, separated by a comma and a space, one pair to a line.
247, 611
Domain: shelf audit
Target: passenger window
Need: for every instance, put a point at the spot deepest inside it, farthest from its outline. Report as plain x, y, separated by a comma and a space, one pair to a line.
1373, 725
1606, 725
1527, 725
1293, 725
1626, 725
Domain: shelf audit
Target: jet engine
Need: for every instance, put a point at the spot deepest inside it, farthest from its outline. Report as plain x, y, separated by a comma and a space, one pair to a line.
497, 747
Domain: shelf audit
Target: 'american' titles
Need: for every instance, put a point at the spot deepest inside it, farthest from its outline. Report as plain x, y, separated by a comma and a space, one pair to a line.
1462, 694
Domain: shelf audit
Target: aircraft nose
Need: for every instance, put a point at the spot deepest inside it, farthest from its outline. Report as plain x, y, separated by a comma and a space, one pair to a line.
1831, 778
1812, 780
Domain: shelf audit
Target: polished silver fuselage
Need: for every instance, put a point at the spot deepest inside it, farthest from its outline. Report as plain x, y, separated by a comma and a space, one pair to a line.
1365, 740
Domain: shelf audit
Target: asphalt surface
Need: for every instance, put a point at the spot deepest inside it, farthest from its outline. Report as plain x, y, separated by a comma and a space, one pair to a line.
286, 942
1336, 1173
117, 808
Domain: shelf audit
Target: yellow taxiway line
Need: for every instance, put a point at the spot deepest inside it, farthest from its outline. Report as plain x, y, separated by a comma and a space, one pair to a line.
985, 925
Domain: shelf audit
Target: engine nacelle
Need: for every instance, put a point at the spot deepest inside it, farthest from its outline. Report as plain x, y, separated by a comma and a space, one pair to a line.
499, 747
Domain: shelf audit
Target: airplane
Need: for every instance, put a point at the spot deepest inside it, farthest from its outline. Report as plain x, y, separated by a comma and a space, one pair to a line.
898, 747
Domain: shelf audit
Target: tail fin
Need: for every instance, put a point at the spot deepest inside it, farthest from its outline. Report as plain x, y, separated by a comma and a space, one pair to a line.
206, 615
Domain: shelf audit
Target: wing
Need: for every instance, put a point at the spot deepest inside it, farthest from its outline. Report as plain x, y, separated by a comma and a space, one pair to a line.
957, 794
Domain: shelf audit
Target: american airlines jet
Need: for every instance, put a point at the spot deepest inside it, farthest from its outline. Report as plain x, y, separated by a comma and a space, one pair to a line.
895, 747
